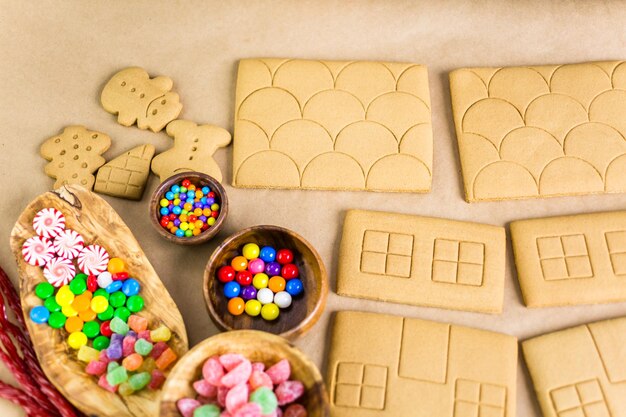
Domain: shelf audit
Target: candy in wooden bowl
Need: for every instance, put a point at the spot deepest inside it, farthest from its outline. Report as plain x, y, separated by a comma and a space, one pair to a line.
255, 346
93, 219
305, 309
199, 180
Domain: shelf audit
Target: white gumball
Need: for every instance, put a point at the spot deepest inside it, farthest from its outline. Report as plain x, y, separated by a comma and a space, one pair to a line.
282, 299
265, 296
104, 279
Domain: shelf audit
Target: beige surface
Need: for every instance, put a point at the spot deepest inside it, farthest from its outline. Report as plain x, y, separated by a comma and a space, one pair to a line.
332, 125
418, 368
126, 175
541, 131
58, 56
571, 260
580, 371
422, 261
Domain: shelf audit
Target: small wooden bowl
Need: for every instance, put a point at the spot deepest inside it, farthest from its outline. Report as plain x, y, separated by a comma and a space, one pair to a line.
199, 180
305, 309
256, 346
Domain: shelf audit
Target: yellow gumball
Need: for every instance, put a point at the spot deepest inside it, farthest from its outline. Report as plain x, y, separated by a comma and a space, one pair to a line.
251, 251
69, 311
115, 265
76, 340
270, 311
260, 280
99, 304
253, 308
64, 296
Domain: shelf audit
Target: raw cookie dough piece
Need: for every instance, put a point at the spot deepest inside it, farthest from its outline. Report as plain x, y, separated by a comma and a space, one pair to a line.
74, 155
382, 365
194, 146
541, 131
422, 261
332, 125
580, 372
135, 97
126, 175
571, 260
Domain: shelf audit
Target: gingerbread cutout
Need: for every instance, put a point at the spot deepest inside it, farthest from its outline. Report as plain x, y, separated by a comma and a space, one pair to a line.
137, 98
126, 175
74, 156
194, 146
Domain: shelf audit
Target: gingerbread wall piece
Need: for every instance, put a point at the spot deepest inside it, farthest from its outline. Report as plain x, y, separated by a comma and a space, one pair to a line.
570, 260
580, 371
541, 131
194, 146
137, 98
126, 175
381, 365
422, 261
74, 155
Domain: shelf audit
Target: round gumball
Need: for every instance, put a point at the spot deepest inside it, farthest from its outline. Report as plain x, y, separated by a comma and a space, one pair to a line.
267, 254
57, 320
244, 277
284, 256
239, 263
265, 296
289, 271
39, 314
236, 306
277, 284
231, 289
260, 281
282, 299
135, 303
270, 311
251, 251
272, 268
226, 273
294, 287
256, 265
44, 290
131, 287
253, 308
248, 293
115, 265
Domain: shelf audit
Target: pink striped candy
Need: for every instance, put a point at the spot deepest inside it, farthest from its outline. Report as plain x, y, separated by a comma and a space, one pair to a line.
37, 251
49, 222
59, 271
93, 260
68, 244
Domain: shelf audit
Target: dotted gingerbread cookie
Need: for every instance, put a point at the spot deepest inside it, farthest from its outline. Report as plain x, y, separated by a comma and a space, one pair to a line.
74, 155
137, 98
194, 146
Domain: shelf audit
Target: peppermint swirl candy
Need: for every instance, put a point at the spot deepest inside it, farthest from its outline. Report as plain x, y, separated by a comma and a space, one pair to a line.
49, 222
37, 251
68, 244
59, 271
93, 260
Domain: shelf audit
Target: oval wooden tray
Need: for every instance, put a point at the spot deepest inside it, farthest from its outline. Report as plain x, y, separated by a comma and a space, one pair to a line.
96, 220
256, 346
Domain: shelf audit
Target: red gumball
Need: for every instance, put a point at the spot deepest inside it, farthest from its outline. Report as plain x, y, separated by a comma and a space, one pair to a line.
186, 183
226, 273
211, 195
214, 213
192, 218
244, 278
105, 328
173, 217
289, 271
92, 283
164, 221
284, 256
120, 276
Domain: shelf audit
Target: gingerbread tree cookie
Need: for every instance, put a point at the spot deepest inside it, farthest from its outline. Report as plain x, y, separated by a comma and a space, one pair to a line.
194, 146
137, 98
74, 155
126, 175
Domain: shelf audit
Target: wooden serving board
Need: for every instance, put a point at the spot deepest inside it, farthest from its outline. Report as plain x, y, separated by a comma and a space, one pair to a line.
98, 223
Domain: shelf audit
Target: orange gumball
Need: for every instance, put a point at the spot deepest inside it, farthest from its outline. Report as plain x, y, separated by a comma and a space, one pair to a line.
87, 315
81, 303
115, 265
73, 324
277, 284
239, 263
236, 306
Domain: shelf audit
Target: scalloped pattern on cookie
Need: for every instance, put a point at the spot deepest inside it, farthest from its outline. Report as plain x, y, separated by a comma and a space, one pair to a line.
541, 131
334, 125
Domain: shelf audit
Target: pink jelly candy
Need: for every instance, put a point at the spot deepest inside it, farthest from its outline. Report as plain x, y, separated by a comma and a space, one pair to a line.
248, 410
205, 388
103, 356
158, 378
128, 345
279, 372
103, 383
96, 368
236, 397
186, 406
206, 400
225, 414
230, 360
258, 366
213, 371
158, 349
288, 392
144, 334
221, 396
260, 379
238, 374
295, 410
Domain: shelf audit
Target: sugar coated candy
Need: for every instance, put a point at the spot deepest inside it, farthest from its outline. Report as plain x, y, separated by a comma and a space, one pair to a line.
213, 371
143, 347
158, 378
205, 389
186, 406
236, 397
288, 392
231, 360
207, 410
117, 376
119, 326
266, 398
161, 334
295, 410
279, 372
139, 381
166, 359
238, 374
96, 368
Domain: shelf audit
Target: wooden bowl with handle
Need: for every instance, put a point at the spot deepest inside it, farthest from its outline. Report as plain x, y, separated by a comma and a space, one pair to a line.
199, 180
305, 309
256, 346
98, 223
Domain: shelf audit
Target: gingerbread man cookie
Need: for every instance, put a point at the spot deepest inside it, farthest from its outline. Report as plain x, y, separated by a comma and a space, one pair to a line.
74, 155
135, 97
194, 146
